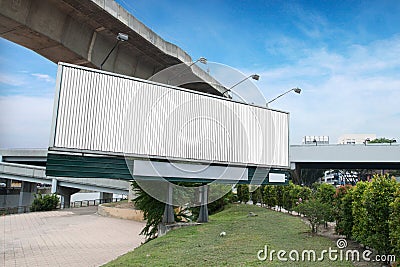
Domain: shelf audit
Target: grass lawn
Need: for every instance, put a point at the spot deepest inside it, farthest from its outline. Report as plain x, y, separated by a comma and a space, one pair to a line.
203, 246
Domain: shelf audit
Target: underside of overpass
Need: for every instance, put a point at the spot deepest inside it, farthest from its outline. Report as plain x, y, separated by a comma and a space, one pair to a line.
373, 157
349, 165
344, 157
82, 32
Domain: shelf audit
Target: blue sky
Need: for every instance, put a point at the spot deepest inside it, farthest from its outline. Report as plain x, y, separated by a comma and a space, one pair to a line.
343, 54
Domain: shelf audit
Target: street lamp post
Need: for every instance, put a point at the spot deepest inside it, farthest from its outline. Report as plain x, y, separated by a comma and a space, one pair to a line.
296, 90
202, 60
253, 76
121, 37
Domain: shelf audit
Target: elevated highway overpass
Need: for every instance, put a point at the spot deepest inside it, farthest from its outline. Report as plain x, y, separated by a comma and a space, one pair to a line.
37, 174
371, 156
82, 32
28, 166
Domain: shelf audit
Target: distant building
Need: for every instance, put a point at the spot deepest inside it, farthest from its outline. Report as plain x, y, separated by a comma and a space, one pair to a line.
355, 138
313, 139
336, 177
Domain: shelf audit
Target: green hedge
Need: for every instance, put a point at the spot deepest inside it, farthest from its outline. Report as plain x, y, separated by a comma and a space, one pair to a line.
243, 193
370, 214
343, 210
394, 224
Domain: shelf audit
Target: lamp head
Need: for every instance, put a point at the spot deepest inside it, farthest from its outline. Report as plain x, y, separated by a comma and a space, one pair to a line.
203, 60
255, 77
297, 90
122, 37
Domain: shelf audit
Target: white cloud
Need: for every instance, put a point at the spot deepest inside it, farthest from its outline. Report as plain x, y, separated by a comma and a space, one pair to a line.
26, 83
43, 77
350, 92
25, 121
12, 79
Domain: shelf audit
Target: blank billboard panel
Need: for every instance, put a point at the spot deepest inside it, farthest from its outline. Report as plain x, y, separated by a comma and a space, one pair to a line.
109, 113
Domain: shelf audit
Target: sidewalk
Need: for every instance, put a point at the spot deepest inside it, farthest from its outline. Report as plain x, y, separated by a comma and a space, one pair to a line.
72, 237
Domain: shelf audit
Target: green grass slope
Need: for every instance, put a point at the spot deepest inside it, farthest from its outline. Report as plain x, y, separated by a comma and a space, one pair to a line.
203, 246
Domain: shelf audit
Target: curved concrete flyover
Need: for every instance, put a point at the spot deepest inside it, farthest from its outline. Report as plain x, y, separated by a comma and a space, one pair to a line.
82, 32
37, 174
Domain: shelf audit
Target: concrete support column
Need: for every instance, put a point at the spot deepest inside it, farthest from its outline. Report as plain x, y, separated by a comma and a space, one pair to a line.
168, 216
131, 193
106, 197
203, 215
26, 195
66, 201
8, 183
54, 186
66, 193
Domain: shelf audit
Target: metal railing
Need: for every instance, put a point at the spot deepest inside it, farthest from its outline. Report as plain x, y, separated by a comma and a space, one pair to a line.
75, 204
95, 202
14, 210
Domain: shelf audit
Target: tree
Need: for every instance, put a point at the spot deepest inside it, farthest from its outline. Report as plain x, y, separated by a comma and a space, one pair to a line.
315, 212
381, 140
152, 209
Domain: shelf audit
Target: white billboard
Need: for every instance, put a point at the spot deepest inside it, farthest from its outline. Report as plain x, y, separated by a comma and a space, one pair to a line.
111, 114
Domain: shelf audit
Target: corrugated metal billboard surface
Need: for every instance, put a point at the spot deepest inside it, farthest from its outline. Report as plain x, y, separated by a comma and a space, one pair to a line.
110, 113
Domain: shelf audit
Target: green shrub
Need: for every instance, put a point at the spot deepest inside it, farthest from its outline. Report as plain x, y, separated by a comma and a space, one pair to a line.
279, 195
269, 196
359, 212
376, 201
315, 211
295, 194
343, 210
243, 193
305, 193
325, 193
152, 209
45, 203
257, 195
394, 224
288, 203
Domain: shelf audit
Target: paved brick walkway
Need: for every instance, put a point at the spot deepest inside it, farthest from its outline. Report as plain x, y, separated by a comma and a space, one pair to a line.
74, 237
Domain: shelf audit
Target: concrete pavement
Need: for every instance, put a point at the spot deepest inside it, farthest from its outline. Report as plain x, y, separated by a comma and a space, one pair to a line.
73, 237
